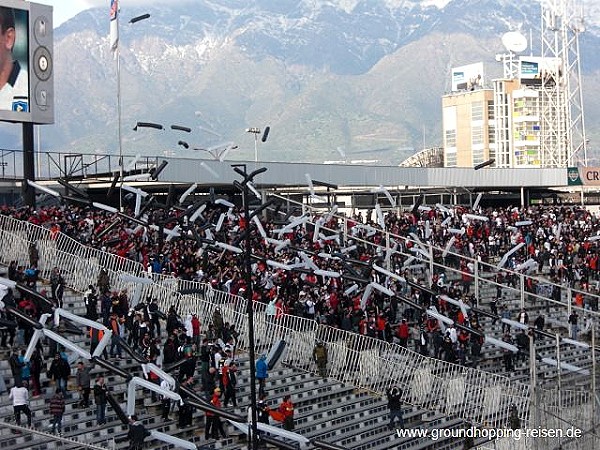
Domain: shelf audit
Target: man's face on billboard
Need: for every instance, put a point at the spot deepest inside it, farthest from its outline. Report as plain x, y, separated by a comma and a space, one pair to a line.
7, 42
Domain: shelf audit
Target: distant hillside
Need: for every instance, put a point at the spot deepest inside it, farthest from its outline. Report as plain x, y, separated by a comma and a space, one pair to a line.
362, 78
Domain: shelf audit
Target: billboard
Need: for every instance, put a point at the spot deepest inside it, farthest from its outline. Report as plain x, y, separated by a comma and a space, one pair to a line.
467, 78
26, 64
532, 69
586, 176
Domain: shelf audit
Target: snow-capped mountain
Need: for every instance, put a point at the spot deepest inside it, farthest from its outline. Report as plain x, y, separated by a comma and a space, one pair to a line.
366, 76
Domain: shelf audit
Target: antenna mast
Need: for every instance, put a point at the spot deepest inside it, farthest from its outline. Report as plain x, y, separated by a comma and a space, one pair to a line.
563, 138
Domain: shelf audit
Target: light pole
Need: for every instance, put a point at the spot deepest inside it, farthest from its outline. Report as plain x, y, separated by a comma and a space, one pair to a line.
533, 381
594, 407
255, 131
243, 187
559, 369
119, 109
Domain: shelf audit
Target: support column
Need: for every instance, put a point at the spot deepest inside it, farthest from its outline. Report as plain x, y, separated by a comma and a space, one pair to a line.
28, 164
522, 196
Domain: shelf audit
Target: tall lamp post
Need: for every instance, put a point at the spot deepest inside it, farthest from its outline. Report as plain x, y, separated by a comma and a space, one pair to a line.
594, 406
119, 108
255, 131
243, 187
533, 380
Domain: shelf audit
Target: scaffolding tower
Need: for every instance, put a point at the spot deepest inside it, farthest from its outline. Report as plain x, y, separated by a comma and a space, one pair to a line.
563, 139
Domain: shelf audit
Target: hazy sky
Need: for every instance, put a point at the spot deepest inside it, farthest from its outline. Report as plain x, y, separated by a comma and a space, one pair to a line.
65, 9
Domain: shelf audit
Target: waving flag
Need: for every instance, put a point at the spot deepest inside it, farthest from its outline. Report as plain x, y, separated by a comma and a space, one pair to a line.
276, 415
114, 24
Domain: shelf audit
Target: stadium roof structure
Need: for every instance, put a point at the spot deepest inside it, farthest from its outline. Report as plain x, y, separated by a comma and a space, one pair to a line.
342, 175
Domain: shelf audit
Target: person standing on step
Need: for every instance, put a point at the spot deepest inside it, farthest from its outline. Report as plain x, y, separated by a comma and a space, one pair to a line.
105, 306
20, 400
103, 281
574, 324
83, 384
59, 371
136, 434
154, 314
37, 365
262, 409
100, 393
505, 314
262, 373
494, 309
195, 330
209, 382
514, 422
230, 382
403, 333
115, 339
34, 254
57, 409
204, 358
16, 367
214, 426
57, 285
286, 408
394, 397
320, 358
166, 401
185, 410
90, 299
218, 323
507, 355
26, 368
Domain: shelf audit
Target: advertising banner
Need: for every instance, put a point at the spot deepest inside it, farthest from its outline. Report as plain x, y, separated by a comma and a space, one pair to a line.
467, 78
535, 68
586, 176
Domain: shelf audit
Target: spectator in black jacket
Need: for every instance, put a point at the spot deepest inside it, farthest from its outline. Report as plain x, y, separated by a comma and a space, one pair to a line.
522, 341
172, 321
16, 367
57, 284
100, 392
169, 352
59, 372
136, 434
91, 303
394, 397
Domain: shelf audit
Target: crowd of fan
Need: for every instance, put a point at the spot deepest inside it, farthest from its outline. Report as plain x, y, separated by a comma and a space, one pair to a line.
202, 356
557, 238
203, 359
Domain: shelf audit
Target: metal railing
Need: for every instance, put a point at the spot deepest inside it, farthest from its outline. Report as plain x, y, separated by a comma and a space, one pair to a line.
52, 165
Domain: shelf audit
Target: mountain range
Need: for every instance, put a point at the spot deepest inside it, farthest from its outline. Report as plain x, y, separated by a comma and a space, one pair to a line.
333, 79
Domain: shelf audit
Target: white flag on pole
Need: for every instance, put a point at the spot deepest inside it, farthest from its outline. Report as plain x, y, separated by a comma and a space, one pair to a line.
114, 24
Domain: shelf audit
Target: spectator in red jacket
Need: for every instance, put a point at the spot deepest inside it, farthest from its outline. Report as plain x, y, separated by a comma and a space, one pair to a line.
403, 333
196, 329
287, 410
213, 422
